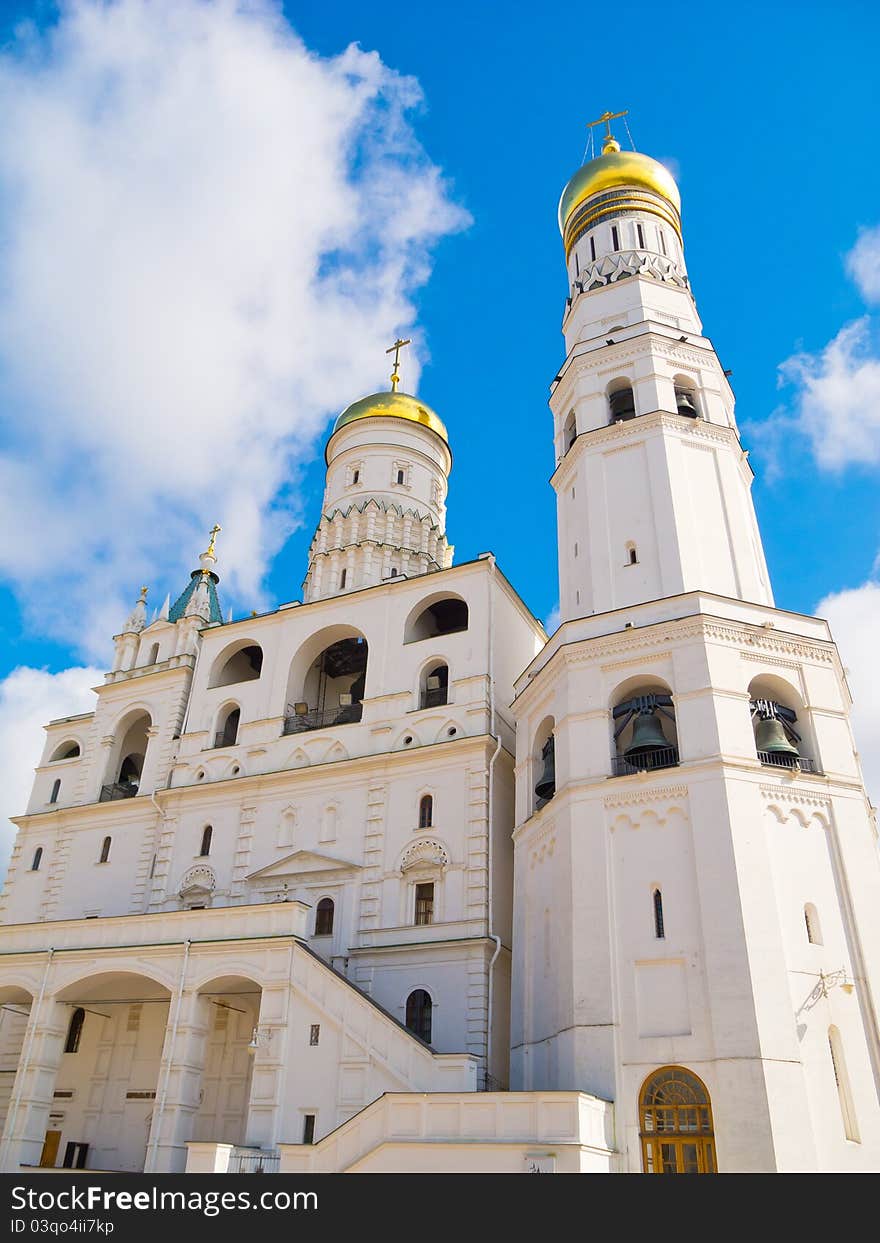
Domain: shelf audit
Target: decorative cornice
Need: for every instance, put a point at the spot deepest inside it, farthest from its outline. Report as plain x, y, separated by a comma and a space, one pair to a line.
650, 794
425, 853
795, 795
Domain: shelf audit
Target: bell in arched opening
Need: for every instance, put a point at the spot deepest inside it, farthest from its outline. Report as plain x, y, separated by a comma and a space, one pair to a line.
774, 734
545, 787
647, 734
623, 404
685, 403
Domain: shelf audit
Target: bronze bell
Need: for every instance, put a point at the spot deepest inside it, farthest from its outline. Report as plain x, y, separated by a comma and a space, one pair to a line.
545, 787
684, 403
770, 736
623, 404
647, 735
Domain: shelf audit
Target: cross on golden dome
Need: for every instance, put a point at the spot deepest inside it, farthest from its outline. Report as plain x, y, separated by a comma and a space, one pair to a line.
395, 350
609, 142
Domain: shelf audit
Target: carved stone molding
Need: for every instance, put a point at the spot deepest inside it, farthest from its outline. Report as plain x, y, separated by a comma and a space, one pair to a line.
426, 853
649, 794
791, 794
200, 877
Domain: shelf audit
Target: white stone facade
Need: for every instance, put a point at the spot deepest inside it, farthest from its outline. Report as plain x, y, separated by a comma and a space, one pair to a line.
289, 899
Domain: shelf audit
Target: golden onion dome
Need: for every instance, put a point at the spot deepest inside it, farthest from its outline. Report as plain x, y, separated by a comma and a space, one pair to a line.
392, 405
613, 170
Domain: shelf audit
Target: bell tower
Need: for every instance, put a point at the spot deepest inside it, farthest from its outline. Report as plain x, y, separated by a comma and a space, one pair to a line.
652, 484
696, 872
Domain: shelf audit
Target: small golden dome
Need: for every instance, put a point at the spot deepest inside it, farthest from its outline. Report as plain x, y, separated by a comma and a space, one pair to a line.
391, 405
612, 169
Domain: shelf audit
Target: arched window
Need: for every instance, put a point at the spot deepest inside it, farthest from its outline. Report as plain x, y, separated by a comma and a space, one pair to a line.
324, 918
426, 811
658, 915
342, 577
643, 728
632, 557
74, 1031
154, 654
56, 790
418, 1014
621, 401
811, 919
446, 616
67, 751
207, 834
227, 731
435, 688
245, 664
37, 860
105, 851
686, 397
544, 763
841, 1078
675, 1124
569, 432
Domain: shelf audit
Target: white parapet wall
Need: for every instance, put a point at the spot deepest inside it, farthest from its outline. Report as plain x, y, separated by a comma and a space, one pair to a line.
461, 1132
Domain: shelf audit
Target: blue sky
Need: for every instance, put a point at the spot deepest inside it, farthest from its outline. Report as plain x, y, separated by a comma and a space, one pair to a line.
767, 114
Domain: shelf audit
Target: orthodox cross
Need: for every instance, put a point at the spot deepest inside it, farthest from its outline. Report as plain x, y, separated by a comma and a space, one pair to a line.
395, 350
605, 119
214, 532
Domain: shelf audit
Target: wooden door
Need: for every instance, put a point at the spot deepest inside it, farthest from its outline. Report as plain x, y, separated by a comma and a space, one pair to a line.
50, 1148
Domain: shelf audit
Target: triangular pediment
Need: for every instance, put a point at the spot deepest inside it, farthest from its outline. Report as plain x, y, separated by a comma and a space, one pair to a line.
302, 863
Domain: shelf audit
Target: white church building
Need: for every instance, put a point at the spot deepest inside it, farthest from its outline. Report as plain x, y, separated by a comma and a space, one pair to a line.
388, 880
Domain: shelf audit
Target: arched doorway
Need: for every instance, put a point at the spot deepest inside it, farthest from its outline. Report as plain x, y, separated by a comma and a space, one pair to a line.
675, 1124
231, 1014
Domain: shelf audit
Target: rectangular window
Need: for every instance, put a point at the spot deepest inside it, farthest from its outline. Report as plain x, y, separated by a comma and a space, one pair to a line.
425, 904
615, 238
592, 248
308, 1128
640, 234
355, 476
314, 1033
342, 577
662, 240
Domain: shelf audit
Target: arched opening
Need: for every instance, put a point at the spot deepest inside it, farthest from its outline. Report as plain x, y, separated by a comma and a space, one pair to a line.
105, 850
205, 846
241, 663
117, 1027
56, 790
154, 654
228, 720
129, 756
419, 1009
644, 729
621, 401
675, 1124
446, 615
327, 681
844, 1092
324, 913
236, 1042
15, 1007
435, 686
426, 811
659, 926
686, 400
37, 859
569, 432
67, 751
74, 1030
811, 920
780, 724
544, 763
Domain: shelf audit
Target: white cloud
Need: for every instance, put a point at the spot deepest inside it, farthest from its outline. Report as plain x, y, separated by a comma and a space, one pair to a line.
853, 616
838, 399
551, 623
863, 263
208, 236
29, 698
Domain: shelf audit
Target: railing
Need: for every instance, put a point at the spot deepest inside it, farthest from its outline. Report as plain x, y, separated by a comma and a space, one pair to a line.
225, 740
253, 1161
434, 698
117, 789
781, 759
298, 723
661, 757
